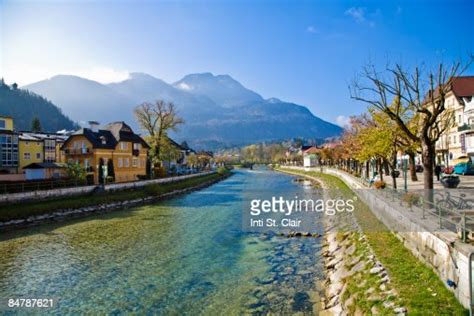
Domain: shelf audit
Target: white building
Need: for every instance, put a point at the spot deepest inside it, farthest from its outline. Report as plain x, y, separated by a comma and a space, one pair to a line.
458, 141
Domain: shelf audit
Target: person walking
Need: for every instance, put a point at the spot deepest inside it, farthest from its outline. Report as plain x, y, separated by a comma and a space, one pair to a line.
437, 171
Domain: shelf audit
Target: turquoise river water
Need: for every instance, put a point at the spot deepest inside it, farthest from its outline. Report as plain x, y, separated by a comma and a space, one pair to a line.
187, 255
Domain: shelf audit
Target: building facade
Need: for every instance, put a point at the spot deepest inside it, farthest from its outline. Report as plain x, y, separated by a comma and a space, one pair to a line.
37, 147
8, 146
457, 143
114, 151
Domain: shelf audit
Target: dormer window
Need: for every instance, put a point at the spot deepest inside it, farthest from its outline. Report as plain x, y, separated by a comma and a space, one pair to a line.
103, 140
123, 145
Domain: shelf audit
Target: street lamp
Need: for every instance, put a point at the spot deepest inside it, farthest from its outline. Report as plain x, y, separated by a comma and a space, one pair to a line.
405, 169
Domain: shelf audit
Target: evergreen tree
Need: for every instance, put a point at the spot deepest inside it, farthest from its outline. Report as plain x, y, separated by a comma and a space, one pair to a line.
36, 125
24, 105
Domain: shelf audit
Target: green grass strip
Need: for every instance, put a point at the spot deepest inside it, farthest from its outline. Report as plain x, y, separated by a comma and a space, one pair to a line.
27, 209
420, 289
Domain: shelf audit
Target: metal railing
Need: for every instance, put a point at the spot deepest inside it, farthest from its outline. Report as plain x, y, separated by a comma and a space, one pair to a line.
451, 210
77, 151
29, 186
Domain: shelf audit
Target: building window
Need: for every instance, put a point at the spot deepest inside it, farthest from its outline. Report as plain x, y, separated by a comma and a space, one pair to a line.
2, 124
123, 146
134, 162
86, 164
137, 146
459, 119
26, 156
127, 162
9, 150
143, 165
454, 139
120, 163
38, 155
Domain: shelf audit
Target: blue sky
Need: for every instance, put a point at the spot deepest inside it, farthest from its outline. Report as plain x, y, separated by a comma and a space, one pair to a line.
300, 51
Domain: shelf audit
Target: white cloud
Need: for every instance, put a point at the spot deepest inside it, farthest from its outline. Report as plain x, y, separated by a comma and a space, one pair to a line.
360, 15
357, 13
103, 74
343, 121
184, 86
23, 74
311, 29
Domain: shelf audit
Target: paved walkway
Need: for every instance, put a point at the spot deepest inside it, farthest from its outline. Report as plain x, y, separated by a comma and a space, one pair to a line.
467, 182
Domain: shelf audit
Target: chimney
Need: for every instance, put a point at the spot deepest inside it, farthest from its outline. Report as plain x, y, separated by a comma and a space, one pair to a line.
94, 126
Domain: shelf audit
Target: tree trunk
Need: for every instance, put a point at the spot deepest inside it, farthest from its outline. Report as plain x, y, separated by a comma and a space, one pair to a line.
428, 153
386, 168
394, 167
367, 169
380, 169
412, 166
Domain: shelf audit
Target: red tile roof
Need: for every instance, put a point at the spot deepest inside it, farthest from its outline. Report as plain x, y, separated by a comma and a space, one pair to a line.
312, 150
463, 86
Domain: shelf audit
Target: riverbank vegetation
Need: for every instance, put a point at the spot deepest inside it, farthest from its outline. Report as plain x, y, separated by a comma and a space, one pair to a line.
419, 288
26, 209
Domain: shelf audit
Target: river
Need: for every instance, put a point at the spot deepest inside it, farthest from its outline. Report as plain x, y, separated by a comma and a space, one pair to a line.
186, 255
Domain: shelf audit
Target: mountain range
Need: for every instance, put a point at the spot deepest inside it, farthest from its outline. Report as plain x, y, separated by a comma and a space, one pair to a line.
217, 109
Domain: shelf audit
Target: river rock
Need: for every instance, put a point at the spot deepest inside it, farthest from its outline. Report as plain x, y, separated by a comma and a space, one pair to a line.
400, 310
350, 251
358, 267
376, 270
388, 304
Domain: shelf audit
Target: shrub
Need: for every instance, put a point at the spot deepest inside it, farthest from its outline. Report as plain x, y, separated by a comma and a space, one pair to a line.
411, 198
379, 184
222, 170
110, 179
160, 172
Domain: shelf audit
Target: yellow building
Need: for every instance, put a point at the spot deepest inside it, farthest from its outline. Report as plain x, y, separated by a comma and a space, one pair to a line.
6, 123
38, 147
31, 151
8, 146
115, 151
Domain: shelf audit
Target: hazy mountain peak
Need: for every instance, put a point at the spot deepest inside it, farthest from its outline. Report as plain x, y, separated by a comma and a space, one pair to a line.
222, 89
140, 76
273, 100
217, 109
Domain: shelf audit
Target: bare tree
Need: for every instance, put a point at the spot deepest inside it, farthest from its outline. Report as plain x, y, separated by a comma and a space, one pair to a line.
421, 94
157, 119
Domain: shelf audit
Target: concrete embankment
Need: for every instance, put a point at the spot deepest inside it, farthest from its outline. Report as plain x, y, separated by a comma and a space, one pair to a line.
440, 249
432, 251
356, 282
84, 190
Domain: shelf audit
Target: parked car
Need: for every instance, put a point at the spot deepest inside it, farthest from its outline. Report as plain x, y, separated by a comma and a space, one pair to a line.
419, 168
464, 168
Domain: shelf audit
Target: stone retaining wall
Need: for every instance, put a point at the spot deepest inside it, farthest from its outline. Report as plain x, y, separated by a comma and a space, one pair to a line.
83, 211
82, 190
442, 250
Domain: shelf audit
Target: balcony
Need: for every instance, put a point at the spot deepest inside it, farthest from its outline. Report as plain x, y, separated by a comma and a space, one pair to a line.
78, 151
466, 127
